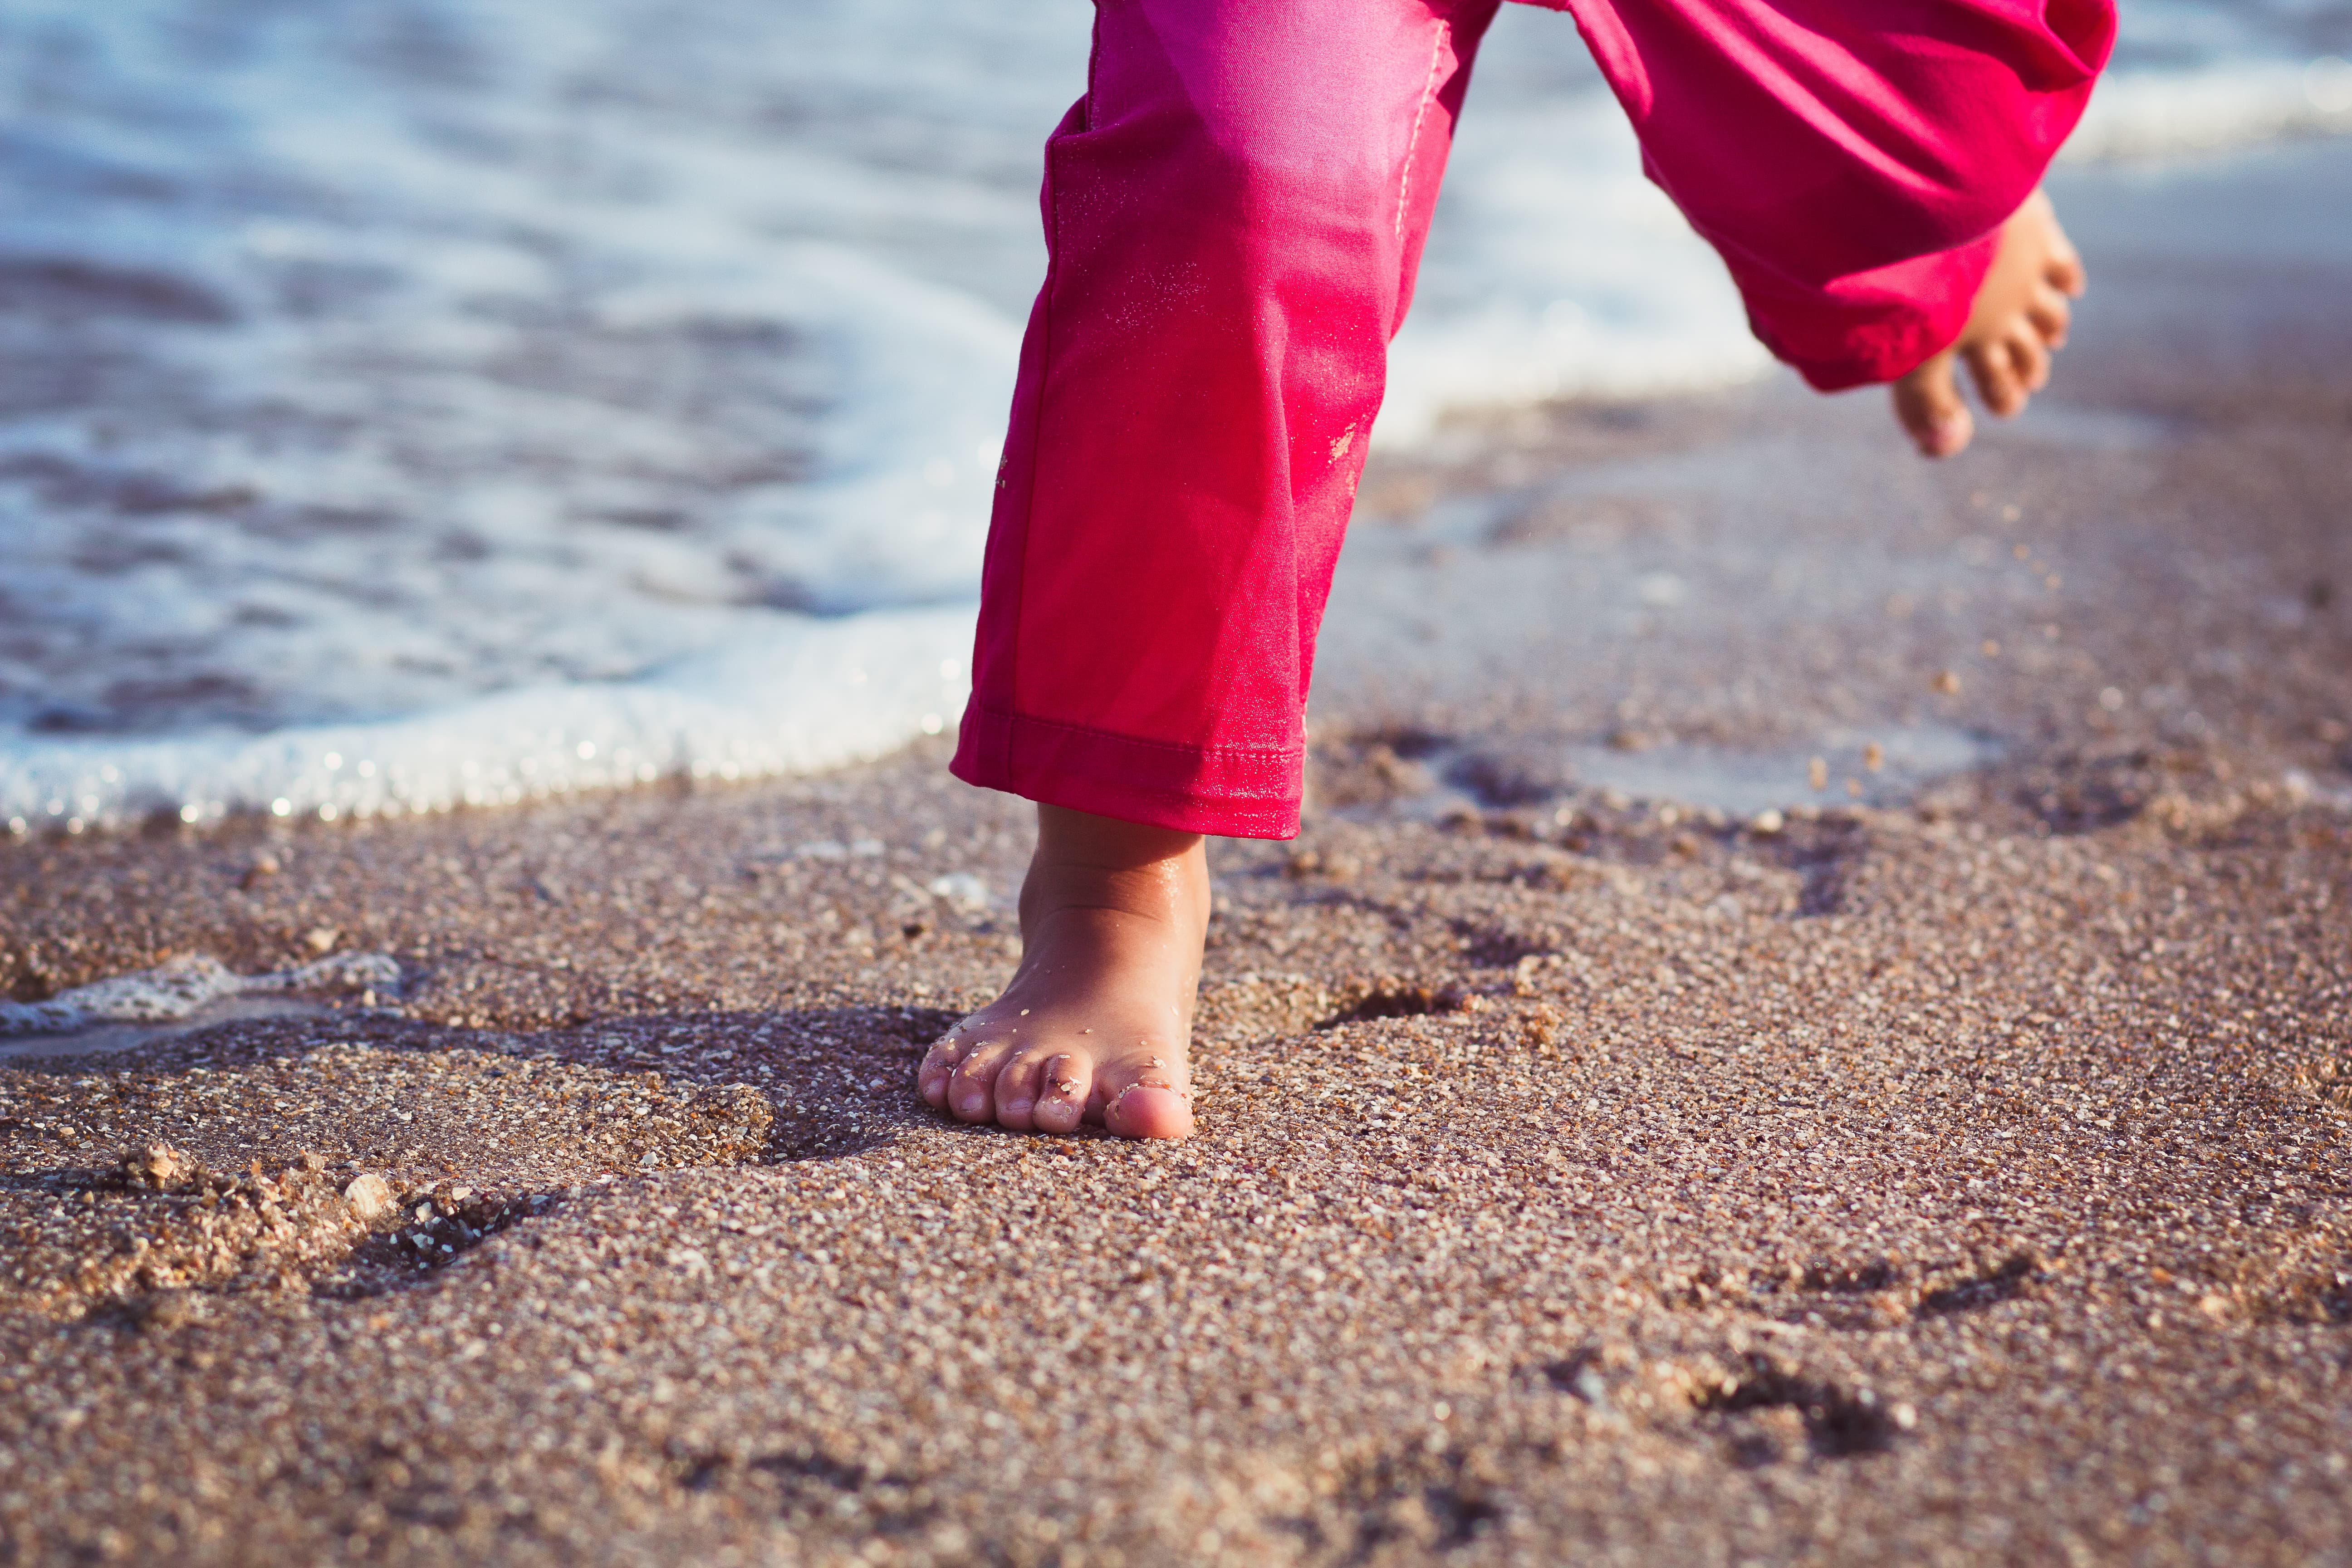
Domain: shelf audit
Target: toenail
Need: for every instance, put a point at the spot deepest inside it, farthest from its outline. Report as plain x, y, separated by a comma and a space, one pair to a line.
1018, 1106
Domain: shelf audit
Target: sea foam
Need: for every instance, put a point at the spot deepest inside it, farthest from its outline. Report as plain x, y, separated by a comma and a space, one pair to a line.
430, 403
181, 987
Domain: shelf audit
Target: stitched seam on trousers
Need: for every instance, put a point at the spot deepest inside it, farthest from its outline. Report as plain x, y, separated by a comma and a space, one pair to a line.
1139, 741
1413, 142
1020, 574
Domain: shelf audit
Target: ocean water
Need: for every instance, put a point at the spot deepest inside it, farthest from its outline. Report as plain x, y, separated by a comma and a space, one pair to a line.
419, 403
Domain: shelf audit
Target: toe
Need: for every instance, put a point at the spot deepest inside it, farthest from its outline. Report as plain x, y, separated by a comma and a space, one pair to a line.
1064, 1082
1017, 1083
1996, 379
2051, 314
938, 1065
2028, 358
2062, 264
1928, 407
1147, 1099
2064, 270
971, 1089
1148, 1110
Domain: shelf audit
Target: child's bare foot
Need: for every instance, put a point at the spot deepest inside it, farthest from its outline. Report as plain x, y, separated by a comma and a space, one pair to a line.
1096, 1024
2019, 321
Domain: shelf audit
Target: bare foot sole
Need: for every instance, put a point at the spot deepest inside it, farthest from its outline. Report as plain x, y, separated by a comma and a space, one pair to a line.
1095, 1025
2020, 319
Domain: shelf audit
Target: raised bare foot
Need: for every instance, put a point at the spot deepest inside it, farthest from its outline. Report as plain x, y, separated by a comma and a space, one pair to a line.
1096, 1021
2018, 321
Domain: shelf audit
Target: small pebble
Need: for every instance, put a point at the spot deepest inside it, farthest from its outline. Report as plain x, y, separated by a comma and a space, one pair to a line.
369, 1197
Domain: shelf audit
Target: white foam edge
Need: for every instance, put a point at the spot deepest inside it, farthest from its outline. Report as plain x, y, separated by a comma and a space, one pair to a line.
1515, 355
2150, 113
179, 987
802, 695
1557, 269
924, 375
1531, 340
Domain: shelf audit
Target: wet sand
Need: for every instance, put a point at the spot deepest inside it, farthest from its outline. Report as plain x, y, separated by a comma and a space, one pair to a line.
1952, 1168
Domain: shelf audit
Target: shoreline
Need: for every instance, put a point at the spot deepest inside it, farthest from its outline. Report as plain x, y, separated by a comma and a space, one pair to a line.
1950, 1172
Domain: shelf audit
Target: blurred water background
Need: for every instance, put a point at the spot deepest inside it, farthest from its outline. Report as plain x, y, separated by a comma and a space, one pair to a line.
416, 402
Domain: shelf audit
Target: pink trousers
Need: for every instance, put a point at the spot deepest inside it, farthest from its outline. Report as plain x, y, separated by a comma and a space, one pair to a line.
1234, 213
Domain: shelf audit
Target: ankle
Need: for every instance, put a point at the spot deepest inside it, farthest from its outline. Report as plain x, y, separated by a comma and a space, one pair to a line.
1080, 838
1101, 862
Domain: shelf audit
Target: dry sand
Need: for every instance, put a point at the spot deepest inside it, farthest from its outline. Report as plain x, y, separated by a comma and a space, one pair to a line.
1957, 1176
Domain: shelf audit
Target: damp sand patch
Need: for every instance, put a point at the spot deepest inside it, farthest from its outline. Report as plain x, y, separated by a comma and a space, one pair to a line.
1885, 767
1426, 777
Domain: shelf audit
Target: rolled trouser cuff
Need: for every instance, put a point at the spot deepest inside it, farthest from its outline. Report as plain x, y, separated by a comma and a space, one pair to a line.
1232, 791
